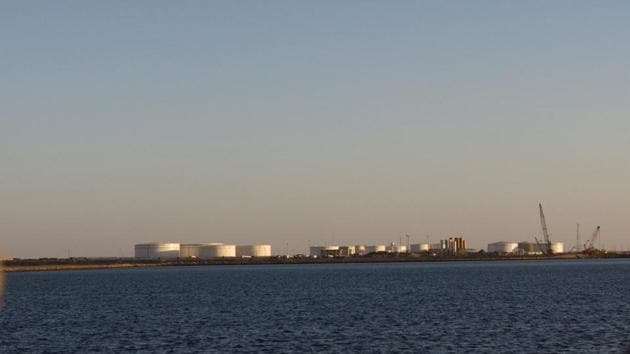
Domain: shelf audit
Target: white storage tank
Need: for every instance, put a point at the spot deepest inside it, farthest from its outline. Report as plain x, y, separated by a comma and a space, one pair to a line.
253, 251
157, 250
502, 247
359, 250
191, 250
376, 248
217, 251
397, 249
420, 247
557, 247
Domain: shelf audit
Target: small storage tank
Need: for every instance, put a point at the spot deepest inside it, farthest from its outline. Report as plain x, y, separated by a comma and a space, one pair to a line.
253, 251
502, 247
359, 250
157, 250
217, 251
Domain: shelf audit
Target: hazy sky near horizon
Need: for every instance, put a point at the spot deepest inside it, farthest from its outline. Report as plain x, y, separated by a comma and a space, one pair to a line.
310, 122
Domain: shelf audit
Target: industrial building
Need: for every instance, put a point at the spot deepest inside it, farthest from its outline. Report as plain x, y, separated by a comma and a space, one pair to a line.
315, 251
157, 250
452, 245
328, 251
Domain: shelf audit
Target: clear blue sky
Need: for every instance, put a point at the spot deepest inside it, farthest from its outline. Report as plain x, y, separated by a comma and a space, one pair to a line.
310, 122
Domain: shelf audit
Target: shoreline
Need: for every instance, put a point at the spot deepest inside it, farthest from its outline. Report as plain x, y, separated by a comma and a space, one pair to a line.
45, 265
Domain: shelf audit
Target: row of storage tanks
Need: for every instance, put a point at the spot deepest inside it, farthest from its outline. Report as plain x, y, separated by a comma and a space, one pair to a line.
171, 250
524, 247
360, 250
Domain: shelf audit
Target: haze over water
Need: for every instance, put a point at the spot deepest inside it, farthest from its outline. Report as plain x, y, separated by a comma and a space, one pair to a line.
295, 123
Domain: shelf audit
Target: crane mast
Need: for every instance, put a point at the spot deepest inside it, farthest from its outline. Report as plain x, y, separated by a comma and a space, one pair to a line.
578, 241
543, 223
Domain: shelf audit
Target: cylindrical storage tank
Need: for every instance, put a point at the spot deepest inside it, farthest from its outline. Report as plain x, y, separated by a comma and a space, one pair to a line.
359, 250
191, 250
557, 247
528, 247
502, 247
253, 251
376, 248
397, 249
217, 251
419, 247
157, 250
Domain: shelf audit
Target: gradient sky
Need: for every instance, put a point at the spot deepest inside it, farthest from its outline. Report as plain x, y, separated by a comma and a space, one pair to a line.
310, 122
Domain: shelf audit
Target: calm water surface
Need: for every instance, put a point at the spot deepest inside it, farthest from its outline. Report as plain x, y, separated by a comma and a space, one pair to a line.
551, 306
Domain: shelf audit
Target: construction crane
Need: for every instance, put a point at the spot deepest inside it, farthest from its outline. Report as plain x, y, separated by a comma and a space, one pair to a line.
589, 246
543, 223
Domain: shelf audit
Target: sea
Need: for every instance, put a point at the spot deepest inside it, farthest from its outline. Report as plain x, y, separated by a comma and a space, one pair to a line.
576, 306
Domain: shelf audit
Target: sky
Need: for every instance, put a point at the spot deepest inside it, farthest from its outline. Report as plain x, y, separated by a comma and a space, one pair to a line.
296, 123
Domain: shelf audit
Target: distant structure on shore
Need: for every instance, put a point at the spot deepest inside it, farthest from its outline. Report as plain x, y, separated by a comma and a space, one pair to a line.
524, 248
451, 245
173, 250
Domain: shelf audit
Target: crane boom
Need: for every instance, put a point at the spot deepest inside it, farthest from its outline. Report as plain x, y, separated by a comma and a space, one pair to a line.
590, 245
543, 223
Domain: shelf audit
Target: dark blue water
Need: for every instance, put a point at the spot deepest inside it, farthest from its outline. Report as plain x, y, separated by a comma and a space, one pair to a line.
569, 306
